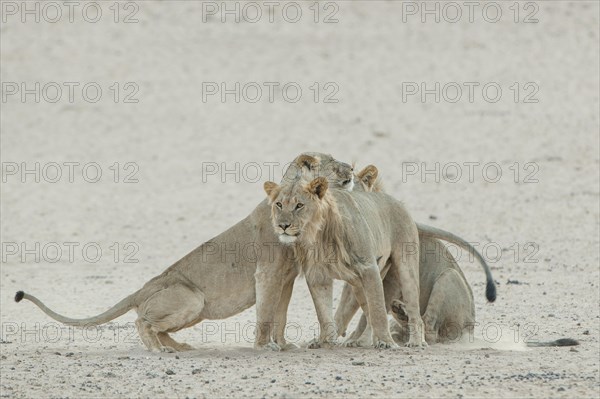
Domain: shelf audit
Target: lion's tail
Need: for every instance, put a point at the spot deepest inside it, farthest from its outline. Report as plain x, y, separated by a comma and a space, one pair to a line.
558, 342
490, 289
118, 310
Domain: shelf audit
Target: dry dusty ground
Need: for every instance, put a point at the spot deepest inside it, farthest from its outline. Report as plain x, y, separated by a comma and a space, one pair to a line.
372, 55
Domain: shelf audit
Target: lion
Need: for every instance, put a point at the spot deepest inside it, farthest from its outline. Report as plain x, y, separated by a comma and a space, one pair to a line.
368, 181
358, 228
434, 262
446, 299
211, 282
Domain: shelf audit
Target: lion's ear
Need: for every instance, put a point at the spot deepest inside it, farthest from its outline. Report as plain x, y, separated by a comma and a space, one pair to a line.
270, 188
308, 162
368, 175
318, 187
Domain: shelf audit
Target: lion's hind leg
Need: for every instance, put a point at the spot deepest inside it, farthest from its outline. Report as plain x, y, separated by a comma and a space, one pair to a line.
353, 339
449, 310
363, 334
408, 270
169, 342
347, 307
149, 337
168, 310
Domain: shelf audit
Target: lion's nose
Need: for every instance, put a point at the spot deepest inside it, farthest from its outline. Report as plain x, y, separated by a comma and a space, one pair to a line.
284, 226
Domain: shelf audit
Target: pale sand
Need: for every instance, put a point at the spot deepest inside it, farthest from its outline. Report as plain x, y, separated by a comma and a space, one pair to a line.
170, 133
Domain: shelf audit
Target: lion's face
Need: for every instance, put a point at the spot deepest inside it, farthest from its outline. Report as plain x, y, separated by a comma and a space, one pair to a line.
316, 164
296, 208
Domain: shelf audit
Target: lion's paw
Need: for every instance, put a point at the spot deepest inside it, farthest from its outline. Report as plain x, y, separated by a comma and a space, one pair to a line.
329, 344
167, 349
385, 345
350, 343
416, 344
288, 347
271, 346
314, 344
317, 344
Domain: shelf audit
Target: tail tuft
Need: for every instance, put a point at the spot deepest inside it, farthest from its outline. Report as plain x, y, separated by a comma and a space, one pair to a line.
558, 342
19, 296
490, 291
566, 342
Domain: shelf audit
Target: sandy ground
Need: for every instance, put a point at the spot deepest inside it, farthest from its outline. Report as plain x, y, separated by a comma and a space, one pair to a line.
540, 226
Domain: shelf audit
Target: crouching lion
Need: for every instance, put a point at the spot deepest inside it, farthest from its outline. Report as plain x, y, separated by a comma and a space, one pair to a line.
446, 300
211, 282
446, 297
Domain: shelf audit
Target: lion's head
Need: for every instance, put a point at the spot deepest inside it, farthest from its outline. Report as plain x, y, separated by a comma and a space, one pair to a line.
314, 164
299, 208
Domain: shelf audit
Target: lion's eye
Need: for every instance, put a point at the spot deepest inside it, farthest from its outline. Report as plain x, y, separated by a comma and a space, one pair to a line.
278, 204
299, 205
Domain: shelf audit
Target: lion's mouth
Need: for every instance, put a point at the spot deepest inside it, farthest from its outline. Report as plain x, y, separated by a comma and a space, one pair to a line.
348, 184
288, 238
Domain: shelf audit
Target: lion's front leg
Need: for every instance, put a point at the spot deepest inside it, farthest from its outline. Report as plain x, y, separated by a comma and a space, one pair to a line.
321, 291
268, 293
372, 289
281, 315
